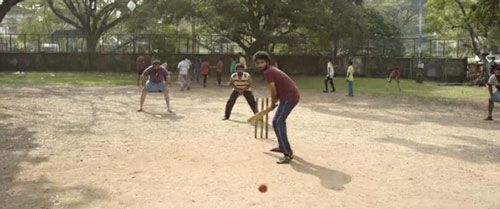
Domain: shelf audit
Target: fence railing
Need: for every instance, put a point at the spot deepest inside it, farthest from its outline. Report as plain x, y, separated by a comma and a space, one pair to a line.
210, 44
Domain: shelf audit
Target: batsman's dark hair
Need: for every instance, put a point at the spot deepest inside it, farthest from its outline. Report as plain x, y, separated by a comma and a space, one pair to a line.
262, 55
350, 62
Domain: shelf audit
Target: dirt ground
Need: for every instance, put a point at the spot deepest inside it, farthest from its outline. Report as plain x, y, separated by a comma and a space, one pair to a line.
86, 147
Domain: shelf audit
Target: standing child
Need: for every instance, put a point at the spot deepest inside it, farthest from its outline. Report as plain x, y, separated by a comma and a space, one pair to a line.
205, 70
219, 69
243, 60
233, 66
329, 75
140, 66
183, 67
350, 79
197, 70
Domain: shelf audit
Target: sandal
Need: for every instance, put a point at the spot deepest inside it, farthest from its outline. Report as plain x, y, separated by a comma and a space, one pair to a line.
285, 160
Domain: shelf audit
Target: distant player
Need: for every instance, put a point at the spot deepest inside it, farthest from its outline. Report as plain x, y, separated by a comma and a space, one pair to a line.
184, 78
350, 79
205, 70
140, 66
493, 81
330, 73
394, 75
282, 88
241, 82
219, 68
243, 60
157, 77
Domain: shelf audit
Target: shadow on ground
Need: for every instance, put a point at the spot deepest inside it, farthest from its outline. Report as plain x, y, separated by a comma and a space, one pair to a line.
477, 150
329, 178
16, 144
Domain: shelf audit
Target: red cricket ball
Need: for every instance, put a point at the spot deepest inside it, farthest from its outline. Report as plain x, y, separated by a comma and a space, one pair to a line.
262, 188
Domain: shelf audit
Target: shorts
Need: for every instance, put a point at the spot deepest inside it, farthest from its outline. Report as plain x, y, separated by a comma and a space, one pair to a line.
155, 87
496, 96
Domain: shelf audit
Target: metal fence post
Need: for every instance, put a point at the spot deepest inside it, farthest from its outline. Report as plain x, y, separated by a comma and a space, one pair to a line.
10, 42
444, 48
39, 44
133, 43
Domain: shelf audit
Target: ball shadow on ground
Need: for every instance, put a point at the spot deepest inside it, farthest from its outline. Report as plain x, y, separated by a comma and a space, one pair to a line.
16, 144
329, 178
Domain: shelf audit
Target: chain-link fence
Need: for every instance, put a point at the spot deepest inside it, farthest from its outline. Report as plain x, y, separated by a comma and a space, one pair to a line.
214, 44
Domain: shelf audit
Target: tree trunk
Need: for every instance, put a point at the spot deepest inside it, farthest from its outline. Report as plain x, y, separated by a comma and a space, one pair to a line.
6, 6
91, 50
336, 47
92, 43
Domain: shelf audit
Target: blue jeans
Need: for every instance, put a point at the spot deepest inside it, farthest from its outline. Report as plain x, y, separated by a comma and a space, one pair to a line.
351, 90
279, 124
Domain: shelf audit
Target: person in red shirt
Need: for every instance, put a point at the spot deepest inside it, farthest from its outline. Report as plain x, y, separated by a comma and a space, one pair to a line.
205, 70
395, 74
282, 88
140, 66
219, 69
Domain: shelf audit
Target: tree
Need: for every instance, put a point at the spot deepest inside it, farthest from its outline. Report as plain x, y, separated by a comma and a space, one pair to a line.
403, 14
252, 24
92, 17
42, 21
5, 7
348, 29
458, 16
485, 14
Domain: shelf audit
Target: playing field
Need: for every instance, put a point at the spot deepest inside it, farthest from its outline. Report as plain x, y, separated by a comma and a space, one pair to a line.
69, 146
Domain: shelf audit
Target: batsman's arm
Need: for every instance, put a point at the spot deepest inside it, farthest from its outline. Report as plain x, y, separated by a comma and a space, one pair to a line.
274, 95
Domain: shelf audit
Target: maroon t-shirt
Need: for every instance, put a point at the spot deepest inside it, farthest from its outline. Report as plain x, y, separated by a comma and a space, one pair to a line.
156, 76
285, 87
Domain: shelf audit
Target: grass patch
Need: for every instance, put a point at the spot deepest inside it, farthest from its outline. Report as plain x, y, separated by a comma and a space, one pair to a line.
73, 78
375, 86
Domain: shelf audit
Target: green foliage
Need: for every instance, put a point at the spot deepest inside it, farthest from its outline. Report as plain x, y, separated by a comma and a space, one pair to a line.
252, 24
376, 86
402, 14
485, 14
42, 19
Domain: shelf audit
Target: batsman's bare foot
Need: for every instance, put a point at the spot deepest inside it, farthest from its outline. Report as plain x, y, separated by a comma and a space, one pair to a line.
489, 118
139, 109
169, 111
